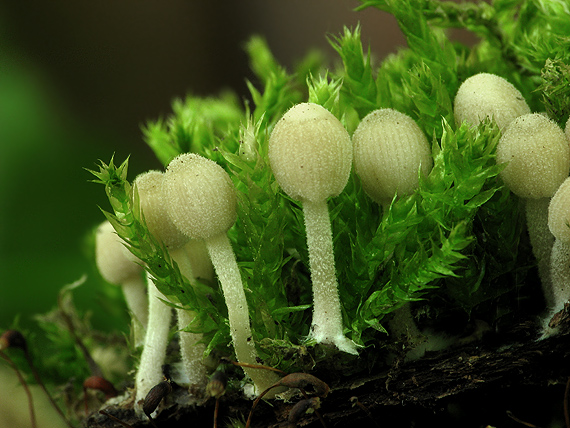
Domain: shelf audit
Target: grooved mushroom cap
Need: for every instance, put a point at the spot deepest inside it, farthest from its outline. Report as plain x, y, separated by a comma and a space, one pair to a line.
389, 149
114, 261
201, 198
538, 156
487, 95
149, 186
310, 153
559, 212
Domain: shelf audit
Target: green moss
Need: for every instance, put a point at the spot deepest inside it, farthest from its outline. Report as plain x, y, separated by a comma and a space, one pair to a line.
458, 244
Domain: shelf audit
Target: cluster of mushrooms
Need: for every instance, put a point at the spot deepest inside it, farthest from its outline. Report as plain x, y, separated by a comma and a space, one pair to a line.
191, 206
536, 152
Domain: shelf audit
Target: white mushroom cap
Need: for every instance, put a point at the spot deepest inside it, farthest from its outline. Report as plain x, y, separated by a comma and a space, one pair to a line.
559, 212
201, 198
486, 95
538, 156
310, 153
567, 129
149, 186
389, 150
114, 261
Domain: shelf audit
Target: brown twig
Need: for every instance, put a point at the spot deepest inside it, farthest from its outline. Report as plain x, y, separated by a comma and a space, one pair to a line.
514, 418
47, 393
93, 366
294, 380
217, 406
15, 339
115, 419
26, 388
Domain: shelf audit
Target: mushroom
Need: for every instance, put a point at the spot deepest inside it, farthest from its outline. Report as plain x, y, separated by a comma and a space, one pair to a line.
311, 155
390, 154
192, 260
559, 225
490, 96
202, 202
119, 266
537, 157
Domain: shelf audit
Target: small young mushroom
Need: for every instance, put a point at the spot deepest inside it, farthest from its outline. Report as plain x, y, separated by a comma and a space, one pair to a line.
311, 155
390, 154
490, 96
192, 260
118, 266
202, 202
537, 157
559, 225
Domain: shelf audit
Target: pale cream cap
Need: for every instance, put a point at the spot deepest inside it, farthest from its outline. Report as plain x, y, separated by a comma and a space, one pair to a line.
200, 196
538, 156
487, 95
390, 150
310, 153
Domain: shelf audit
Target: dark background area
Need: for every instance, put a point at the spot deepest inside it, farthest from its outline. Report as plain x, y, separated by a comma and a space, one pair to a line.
77, 82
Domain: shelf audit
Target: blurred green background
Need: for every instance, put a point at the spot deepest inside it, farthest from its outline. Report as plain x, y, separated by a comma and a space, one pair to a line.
77, 81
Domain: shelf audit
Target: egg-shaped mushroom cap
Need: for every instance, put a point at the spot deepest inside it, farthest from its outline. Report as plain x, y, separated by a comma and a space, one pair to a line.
486, 95
200, 196
537, 155
390, 150
559, 212
149, 186
115, 262
310, 153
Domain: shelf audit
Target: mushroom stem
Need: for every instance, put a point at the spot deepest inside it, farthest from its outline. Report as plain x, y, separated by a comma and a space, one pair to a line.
559, 225
225, 265
191, 351
327, 317
118, 266
402, 325
191, 257
135, 297
560, 274
541, 240
202, 203
149, 373
310, 153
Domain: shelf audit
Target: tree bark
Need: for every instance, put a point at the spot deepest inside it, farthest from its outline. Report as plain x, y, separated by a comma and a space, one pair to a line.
505, 380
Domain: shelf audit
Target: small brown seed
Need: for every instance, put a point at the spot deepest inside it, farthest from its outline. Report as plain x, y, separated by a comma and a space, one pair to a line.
155, 396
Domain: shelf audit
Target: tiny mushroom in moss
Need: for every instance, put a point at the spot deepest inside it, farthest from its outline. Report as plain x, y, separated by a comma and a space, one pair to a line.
559, 224
490, 96
310, 153
537, 157
390, 154
119, 266
192, 260
202, 202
